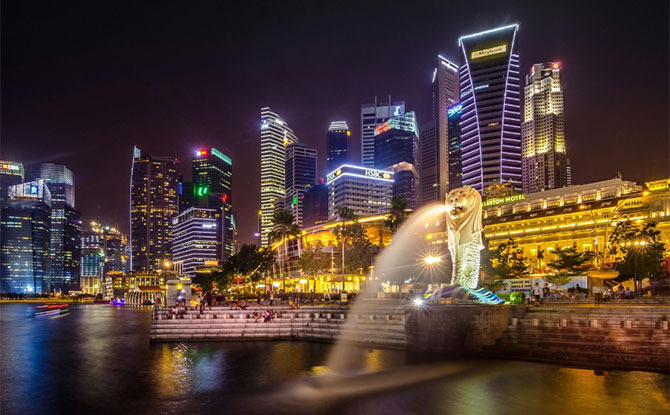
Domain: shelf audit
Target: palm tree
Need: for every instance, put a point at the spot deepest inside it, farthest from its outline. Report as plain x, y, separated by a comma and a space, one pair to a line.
398, 214
283, 229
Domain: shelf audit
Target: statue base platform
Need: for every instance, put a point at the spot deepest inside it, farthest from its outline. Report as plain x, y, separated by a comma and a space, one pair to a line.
460, 293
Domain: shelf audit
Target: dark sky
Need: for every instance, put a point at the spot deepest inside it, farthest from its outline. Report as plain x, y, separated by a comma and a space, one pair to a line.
82, 83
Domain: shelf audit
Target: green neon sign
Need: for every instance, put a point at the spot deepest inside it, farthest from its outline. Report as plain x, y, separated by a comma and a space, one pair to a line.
201, 191
295, 200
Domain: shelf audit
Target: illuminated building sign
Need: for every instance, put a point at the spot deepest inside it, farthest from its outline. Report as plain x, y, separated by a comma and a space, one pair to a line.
34, 189
397, 111
362, 172
488, 52
8, 166
500, 200
455, 109
201, 191
381, 128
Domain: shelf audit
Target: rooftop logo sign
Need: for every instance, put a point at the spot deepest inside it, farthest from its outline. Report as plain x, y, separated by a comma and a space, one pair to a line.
482, 53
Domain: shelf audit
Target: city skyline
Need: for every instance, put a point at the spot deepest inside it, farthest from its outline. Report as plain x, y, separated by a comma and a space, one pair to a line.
182, 127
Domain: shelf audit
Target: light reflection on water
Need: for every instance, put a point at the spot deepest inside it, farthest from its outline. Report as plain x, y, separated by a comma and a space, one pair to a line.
98, 359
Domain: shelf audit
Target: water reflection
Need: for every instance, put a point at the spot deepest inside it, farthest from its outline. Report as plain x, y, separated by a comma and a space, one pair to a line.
98, 359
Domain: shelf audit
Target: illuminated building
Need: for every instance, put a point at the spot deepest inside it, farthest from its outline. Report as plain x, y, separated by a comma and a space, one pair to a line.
196, 238
64, 268
212, 188
72, 248
154, 200
324, 238
365, 191
455, 152
103, 249
544, 159
11, 173
396, 148
315, 206
339, 144
25, 238
491, 108
433, 148
372, 115
300, 176
581, 216
275, 135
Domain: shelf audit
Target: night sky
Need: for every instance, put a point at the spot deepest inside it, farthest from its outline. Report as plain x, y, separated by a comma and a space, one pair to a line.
83, 83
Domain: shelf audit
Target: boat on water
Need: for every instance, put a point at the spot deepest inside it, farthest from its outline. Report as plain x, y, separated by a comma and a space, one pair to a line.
50, 310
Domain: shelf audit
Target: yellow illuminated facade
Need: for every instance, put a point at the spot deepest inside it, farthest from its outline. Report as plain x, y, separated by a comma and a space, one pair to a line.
581, 216
325, 237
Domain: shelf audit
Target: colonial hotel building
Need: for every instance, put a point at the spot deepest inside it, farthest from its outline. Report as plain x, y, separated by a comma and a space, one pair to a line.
581, 216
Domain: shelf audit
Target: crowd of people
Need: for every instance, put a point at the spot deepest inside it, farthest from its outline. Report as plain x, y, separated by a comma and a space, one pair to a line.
264, 316
544, 293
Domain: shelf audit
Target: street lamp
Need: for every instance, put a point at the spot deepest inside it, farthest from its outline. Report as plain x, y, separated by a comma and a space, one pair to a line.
430, 260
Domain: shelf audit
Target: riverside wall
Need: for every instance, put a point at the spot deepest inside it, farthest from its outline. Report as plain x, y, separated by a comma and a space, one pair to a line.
636, 337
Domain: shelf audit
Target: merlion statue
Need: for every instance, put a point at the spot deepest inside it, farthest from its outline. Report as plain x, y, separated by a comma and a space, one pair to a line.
464, 234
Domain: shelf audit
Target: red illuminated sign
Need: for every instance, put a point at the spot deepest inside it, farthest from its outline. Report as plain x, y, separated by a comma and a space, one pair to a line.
203, 152
381, 128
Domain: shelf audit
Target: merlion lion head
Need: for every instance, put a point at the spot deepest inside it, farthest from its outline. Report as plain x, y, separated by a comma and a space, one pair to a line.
463, 203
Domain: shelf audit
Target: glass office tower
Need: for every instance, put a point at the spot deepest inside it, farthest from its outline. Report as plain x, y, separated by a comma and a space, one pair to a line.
491, 108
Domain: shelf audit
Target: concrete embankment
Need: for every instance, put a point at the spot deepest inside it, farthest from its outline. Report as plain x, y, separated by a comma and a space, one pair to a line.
382, 326
609, 337
622, 337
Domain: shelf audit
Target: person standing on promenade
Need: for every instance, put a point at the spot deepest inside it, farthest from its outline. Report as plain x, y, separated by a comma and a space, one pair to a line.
597, 293
272, 297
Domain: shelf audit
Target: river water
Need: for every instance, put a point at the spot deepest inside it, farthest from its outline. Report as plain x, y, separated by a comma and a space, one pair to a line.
97, 360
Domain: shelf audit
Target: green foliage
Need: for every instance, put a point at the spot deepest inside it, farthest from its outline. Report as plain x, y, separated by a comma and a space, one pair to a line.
249, 263
644, 258
399, 213
204, 280
313, 261
517, 298
505, 261
283, 229
357, 247
569, 262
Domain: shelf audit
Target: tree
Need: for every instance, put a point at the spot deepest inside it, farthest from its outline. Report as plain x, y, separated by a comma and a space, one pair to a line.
248, 264
569, 262
398, 215
283, 229
313, 261
641, 253
505, 261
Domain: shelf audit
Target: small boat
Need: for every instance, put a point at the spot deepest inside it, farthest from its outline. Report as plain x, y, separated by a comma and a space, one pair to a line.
47, 310
117, 301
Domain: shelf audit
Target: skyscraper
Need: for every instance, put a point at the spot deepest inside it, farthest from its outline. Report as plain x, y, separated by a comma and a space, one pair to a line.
396, 143
25, 237
433, 147
275, 135
11, 173
212, 188
154, 186
545, 163
103, 249
197, 238
366, 191
60, 181
339, 144
491, 108
315, 206
300, 173
455, 153
372, 115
